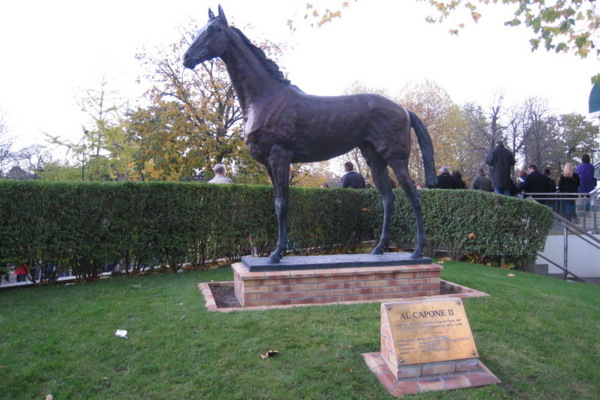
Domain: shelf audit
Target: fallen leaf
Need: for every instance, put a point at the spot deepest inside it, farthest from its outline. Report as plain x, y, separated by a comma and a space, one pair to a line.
269, 354
511, 275
472, 235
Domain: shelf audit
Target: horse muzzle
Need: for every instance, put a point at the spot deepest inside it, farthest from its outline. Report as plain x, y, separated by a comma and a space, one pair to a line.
190, 60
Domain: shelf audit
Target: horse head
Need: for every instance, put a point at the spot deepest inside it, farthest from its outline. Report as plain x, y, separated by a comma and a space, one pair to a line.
209, 42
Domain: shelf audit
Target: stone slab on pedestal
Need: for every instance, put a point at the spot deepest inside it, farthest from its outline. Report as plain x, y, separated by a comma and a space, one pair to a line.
350, 278
257, 264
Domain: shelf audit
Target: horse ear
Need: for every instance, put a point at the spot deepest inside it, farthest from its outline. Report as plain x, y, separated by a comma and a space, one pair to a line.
210, 14
222, 15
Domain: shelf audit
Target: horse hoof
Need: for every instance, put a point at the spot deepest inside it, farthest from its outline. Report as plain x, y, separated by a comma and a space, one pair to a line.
415, 255
377, 251
274, 259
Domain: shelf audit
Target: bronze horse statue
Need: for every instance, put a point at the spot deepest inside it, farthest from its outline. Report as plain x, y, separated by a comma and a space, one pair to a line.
283, 125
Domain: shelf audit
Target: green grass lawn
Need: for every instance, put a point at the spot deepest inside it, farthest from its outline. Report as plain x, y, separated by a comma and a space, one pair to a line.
539, 335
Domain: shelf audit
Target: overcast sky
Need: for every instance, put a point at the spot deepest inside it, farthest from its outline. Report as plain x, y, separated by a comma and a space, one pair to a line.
53, 50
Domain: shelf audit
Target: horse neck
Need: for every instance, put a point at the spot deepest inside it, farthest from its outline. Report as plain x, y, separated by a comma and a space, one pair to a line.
250, 79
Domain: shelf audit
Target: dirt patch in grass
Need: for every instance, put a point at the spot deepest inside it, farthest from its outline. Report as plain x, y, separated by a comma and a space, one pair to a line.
224, 296
446, 289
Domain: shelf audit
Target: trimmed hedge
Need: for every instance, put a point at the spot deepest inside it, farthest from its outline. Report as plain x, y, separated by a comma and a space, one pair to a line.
485, 226
82, 226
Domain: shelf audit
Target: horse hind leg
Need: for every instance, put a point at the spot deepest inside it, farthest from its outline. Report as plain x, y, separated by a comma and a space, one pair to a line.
378, 168
400, 168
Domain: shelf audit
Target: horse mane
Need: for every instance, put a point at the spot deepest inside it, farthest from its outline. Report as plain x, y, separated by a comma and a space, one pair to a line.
269, 65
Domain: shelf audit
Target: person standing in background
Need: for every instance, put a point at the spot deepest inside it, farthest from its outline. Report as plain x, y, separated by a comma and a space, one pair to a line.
501, 160
445, 180
351, 178
551, 182
585, 170
460, 184
482, 182
568, 183
220, 171
551, 187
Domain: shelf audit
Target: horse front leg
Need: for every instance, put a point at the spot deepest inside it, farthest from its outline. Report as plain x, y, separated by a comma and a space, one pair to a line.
279, 171
387, 200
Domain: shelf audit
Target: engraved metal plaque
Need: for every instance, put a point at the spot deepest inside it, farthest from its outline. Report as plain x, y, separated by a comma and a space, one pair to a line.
430, 331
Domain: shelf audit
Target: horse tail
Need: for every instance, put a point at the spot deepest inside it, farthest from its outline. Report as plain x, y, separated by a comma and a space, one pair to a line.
426, 149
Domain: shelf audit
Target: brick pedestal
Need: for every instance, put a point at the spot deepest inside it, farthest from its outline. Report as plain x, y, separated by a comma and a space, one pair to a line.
421, 378
330, 285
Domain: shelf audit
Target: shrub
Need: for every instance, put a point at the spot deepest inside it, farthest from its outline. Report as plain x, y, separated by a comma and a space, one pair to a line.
82, 226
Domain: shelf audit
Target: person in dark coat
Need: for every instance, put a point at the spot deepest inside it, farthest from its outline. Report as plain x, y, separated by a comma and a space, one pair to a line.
568, 182
501, 160
551, 188
552, 182
460, 184
482, 182
445, 181
535, 182
515, 191
351, 178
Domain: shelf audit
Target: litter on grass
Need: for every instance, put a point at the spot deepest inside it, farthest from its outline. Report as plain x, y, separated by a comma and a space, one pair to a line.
121, 333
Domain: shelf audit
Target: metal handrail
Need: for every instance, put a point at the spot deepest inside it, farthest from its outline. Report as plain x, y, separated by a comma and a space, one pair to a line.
577, 230
569, 227
588, 202
559, 267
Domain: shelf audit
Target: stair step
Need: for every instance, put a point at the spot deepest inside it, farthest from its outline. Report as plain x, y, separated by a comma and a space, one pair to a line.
538, 269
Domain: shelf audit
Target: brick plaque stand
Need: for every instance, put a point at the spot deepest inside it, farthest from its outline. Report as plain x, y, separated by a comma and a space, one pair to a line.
329, 279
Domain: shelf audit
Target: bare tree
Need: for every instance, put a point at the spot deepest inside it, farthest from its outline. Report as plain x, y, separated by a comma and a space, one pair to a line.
496, 132
35, 158
6, 144
538, 130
